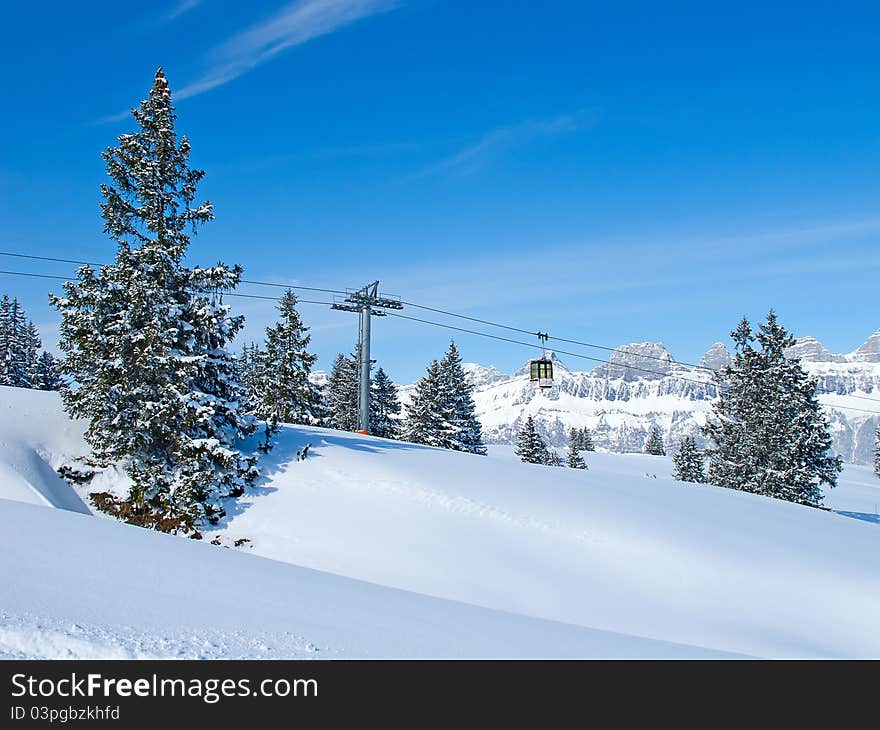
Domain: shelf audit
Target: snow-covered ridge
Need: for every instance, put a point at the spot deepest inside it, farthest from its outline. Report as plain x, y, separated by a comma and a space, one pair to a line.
620, 402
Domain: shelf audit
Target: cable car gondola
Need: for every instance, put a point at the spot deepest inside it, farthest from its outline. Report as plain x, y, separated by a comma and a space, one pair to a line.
541, 370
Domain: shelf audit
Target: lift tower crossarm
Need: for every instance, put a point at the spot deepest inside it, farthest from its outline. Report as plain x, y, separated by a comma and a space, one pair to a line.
367, 303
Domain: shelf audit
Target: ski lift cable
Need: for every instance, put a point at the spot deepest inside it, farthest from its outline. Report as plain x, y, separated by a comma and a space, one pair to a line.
243, 281
478, 320
438, 311
560, 339
411, 304
225, 294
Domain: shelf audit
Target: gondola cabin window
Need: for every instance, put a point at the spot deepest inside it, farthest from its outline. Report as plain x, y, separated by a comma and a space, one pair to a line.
541, 373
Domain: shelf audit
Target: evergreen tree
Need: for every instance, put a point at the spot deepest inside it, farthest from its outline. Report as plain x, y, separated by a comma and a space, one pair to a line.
463, 431
7, 348
47, 375
768, 432
283, 391
581, 439
688, 462
586, 440
31, 355
575, 460
342, 394
552, 458
877, 453
654, 444
530, 447
17, 345
384, 407
426, 414
145, 338
248, 372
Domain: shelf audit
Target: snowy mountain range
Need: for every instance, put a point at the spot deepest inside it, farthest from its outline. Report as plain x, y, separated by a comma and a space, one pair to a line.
621, 401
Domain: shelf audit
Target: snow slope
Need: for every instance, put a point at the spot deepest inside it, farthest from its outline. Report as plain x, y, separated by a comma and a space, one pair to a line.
621, 547
79, 587
619, 560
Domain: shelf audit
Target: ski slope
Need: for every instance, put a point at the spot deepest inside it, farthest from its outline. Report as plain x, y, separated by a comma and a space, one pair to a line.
377, 548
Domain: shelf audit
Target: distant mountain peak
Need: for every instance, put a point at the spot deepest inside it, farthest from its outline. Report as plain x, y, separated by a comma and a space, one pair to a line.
809, 349
637, 360
716, 357
869, 350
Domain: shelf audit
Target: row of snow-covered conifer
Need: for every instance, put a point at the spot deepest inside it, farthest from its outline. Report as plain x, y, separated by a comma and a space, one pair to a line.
21, 363
278, 388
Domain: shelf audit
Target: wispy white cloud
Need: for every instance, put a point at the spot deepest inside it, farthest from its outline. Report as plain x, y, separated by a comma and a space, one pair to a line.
294, 24
183, 6
473, 156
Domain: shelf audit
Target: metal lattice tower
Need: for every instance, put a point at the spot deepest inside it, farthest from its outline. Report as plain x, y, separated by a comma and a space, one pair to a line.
367, 303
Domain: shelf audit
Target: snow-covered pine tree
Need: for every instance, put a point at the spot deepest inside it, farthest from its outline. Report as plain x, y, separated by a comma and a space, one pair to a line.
284, 393
145, 339
463, 430
575, 460
586, 440
688, 462
247, 368
48, 375
530, 447
654, 444
16, 345
877, 453
31, 354
767, 429
384, 407
427, 412
6, 346
342, 394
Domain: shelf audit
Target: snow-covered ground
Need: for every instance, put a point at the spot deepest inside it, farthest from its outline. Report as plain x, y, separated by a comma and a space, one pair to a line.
380, 548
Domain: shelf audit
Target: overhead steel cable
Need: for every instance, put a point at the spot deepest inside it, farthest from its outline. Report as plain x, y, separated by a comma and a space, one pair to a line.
559, 339
221, 293
444, 312
243, 281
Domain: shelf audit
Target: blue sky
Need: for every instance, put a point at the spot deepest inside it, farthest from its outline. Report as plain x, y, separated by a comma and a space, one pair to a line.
609, 172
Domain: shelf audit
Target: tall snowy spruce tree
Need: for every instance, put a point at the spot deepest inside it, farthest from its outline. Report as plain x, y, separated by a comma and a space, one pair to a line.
442, 411
425, 419
463, 430
530, 447
688, 462
341, 394
384, 407
146, 338
654, 445
283, 392
768, 432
